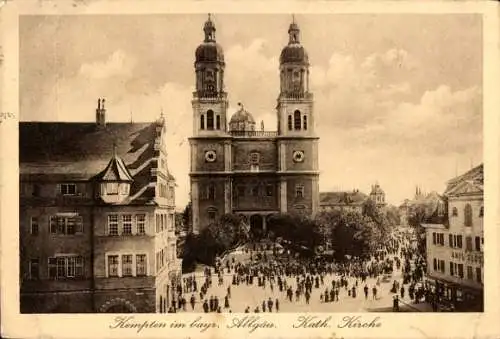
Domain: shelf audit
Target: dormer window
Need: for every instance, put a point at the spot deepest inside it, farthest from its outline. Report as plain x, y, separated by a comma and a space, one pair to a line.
114, 181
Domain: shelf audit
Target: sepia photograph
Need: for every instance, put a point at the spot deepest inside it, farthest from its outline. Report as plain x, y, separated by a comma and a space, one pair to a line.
251, 163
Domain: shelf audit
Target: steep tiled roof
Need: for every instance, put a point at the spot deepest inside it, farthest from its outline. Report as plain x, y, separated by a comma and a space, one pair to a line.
81, 150
53, 151
342, 198
115, 171
468, 183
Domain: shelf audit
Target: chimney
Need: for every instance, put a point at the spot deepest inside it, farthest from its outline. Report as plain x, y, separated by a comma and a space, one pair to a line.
100, 113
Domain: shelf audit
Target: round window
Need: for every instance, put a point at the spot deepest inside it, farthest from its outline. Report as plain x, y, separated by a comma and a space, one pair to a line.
210, 156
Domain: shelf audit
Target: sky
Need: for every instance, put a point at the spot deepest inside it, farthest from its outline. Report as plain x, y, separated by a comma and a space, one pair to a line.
398, 97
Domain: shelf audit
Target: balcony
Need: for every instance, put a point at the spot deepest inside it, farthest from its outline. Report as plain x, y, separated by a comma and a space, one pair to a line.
296, 96
254, 134
209, 95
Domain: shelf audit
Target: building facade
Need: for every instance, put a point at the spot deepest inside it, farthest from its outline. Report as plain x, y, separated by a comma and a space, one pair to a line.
455, 253
342, 201
96, 217
236, 168
353, 201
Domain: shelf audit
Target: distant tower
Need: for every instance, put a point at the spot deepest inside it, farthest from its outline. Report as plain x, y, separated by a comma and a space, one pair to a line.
377, 195
100, 112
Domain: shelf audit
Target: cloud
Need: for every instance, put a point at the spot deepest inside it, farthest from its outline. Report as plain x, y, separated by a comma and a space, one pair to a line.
118, 64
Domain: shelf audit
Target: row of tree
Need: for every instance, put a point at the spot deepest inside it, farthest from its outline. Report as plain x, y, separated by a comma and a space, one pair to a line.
346, 233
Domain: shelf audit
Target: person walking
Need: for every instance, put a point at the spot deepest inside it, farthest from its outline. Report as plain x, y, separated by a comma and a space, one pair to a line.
270, 305
374, 291
277, 305
192, 301
366, 292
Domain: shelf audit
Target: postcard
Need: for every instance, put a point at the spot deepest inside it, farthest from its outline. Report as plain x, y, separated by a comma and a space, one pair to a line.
249, 169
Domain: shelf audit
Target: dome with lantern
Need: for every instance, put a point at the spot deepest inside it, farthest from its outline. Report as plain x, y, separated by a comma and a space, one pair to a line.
242, 120
294, 52
209, 50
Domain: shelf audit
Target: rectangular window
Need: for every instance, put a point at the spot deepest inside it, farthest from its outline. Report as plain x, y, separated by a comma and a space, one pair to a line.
61, 267
468, 243
127, 265
478, 244
112, 188
68, 189
141, 223
112, 265
435, 264
74, 225
299, 191
450, 240
66, 225
442, 265
459, 241
113, 224
469, 273
451, 268
65, 267
34, 269
34, 225
127, 224
434, 238
461, 270
140, 260
478, 275
441, 239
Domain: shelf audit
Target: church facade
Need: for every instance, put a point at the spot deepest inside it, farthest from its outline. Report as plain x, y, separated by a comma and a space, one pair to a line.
239, 168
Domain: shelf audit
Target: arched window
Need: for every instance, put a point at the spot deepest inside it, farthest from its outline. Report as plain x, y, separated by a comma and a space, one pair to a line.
217, 122
202, 122
454, 212
290, 123
304, 124
210, 119
212, 214
468, 215
481, 211
296, 120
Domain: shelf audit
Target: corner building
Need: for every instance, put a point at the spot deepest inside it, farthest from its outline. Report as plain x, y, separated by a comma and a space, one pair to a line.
97, 205
236, 168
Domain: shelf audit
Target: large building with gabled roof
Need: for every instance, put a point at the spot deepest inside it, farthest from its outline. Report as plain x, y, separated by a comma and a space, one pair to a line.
97, 217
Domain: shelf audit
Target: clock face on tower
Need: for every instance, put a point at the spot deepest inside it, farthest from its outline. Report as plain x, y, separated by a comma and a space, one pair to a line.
298, 156
210, 156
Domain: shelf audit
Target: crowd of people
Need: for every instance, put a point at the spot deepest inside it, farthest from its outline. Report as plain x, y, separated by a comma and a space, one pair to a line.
284, 277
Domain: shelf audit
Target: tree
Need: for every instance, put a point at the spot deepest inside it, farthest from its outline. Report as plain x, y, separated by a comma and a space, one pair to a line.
225, 234
298, 229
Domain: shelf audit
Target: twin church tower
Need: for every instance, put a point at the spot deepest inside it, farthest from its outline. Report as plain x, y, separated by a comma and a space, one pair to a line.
238, 167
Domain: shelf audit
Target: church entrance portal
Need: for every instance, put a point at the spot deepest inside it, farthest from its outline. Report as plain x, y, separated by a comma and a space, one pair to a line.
256, 226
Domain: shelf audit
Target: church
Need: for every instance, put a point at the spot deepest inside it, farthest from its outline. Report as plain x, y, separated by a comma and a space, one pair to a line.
240, 168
